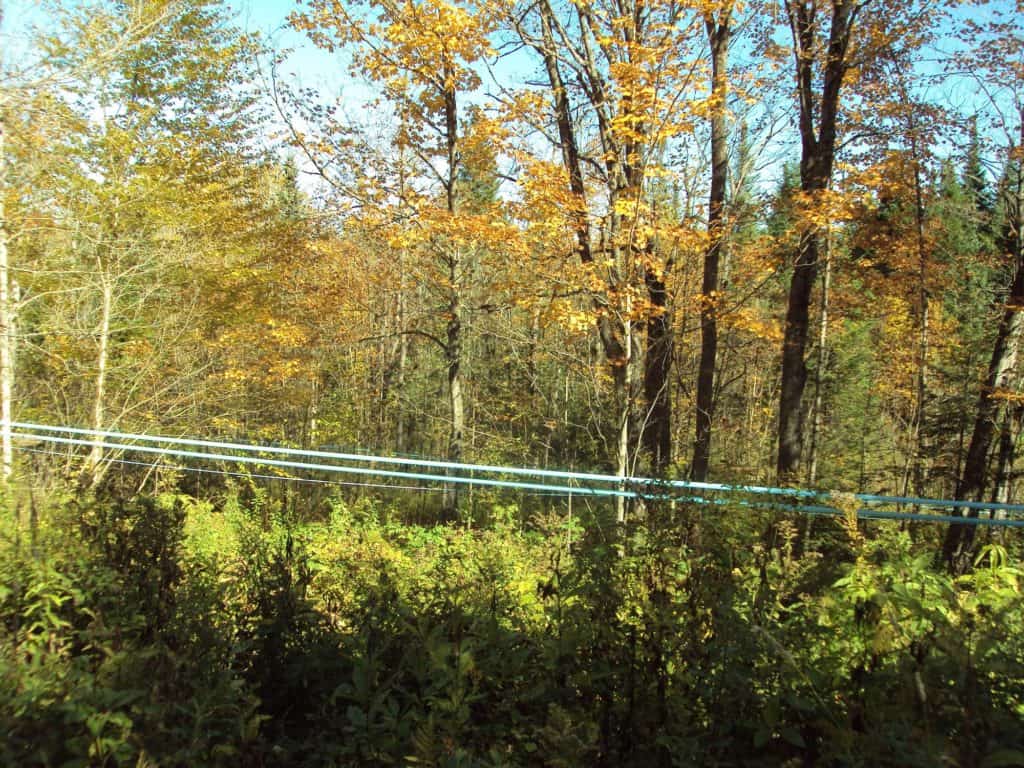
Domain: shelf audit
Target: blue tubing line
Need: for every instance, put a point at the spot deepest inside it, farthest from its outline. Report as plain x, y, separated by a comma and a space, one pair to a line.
567, 490
358, 457
581, 491
639, 487
648, 485
955, 503
865, 512
866, 498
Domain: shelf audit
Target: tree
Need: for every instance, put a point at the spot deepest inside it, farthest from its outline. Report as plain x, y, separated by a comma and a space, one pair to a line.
996, 63
849, 38
163, 127
818, 124
619, 78
975, 177
423, 54
719, 31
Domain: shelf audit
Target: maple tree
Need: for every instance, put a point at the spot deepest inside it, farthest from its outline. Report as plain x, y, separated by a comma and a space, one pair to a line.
629, 68
423, 56
719, 31
818, 125
851, 38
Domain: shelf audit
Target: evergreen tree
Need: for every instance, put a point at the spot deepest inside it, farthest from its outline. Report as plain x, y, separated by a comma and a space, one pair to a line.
290, 202
478, 172
1007, 214
781, 215
963, 251
975, 178
743, 207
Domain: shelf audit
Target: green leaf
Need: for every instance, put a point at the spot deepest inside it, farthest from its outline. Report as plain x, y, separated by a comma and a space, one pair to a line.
356, 716
792, 736
1002, 758
761, 736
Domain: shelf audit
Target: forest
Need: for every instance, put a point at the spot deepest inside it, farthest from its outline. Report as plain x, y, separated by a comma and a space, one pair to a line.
755, 268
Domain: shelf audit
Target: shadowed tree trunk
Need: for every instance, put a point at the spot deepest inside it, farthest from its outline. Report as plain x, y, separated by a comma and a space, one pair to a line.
818, 123
93, 471
995, 398
657, 431
1009, 433
819, 373
991, 402
718, 35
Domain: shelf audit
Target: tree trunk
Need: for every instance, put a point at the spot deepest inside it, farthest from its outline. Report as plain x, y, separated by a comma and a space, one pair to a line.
93, 470
382, 370
1009, 433
626, 394
312, 413
400, 365
718, 35
812, 459
922, 339
794, 367
454, 341
958, 546
1000, 383
657, 428
401, 351
457, 406
817, 154
394, 344
622, 436
6, 330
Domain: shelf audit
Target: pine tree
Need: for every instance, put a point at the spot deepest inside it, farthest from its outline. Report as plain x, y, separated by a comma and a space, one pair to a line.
975, 178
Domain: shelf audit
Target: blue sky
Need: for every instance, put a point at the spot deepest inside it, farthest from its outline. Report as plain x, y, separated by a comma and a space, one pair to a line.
268, 17
310, 67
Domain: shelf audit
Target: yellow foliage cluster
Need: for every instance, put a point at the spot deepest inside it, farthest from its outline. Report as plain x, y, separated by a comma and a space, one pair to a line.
752, 321
824, 208
898, 352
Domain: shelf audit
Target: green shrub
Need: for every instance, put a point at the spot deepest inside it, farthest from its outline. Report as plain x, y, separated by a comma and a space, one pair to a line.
162, 631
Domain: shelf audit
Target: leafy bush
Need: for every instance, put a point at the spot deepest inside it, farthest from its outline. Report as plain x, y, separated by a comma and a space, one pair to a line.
108, 658
161, 631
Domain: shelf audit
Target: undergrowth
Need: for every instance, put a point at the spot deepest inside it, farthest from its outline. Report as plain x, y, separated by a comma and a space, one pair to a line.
163, 631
